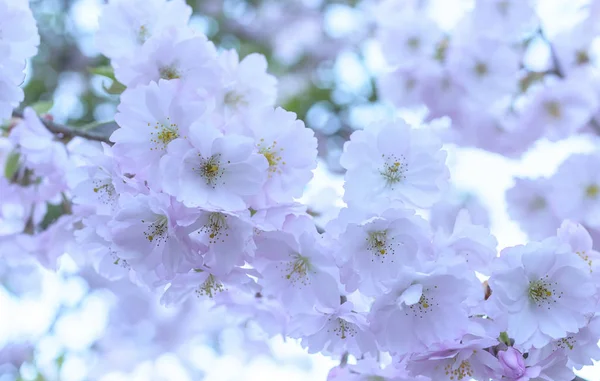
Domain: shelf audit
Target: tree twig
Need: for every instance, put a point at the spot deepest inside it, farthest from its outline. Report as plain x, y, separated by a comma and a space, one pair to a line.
98, 134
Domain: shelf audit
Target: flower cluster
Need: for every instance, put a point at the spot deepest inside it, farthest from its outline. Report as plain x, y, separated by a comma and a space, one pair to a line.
487, 75
196, 201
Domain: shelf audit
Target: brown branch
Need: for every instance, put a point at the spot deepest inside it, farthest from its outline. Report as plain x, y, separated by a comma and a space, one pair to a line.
100, 134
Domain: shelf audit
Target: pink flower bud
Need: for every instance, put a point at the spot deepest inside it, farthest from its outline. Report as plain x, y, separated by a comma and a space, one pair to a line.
512, 363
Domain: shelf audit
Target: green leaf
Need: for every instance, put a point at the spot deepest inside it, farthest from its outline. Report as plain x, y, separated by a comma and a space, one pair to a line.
12, 165
105, 71
42, 107
252, 212
53, 213
116, 88
503, 338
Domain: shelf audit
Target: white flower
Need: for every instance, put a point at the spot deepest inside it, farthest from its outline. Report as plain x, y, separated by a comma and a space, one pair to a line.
334, 331
486, 68
149, 231
193, 61
18, 31
563, 108
227, 238
529, 205
375, 251
19, 40
390, 162
297, 271
289, 147
576, 189
151, 117
469, 243
409, 38
421, 310
215, 171
245, 84
581, 347
580, 241
545, 290
125, 25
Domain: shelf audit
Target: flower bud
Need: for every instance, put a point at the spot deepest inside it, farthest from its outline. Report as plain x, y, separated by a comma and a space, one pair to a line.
512, 362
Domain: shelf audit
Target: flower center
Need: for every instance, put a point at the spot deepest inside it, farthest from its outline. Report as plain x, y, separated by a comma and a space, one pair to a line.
105, 191
464, 370
272, 154
582, 57
163, 134
481, 69
169, 72
210, 169
210, 287
234, 99
217, 222
296, 271
394, 169
592, 191
542, 291
424, 305
342, 329
567, 342
414, 43
377, 243
537, 203
553, 109
158, 230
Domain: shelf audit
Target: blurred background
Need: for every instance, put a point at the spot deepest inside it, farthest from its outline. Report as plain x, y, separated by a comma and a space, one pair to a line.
74, 325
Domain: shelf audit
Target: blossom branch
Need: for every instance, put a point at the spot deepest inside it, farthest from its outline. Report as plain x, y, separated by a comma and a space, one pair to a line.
100, 133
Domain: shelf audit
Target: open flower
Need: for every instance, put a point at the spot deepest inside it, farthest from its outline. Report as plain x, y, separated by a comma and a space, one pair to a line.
216, 171
545, 290
390, 162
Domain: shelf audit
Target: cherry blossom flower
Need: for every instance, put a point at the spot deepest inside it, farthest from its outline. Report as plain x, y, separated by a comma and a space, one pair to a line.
213, 170
126, 25
191, 61
576, 189
149, 232
562, 108
227, 238
485, 68
545, 290
469, 243
290, 149
377, 249
334, 331
408, 38
391, 162
151, 117
443, 214
298, 271
529, 204
245, 84
18, 32
421, 310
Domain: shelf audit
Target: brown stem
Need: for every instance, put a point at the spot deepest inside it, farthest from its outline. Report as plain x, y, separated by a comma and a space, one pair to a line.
70, 132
